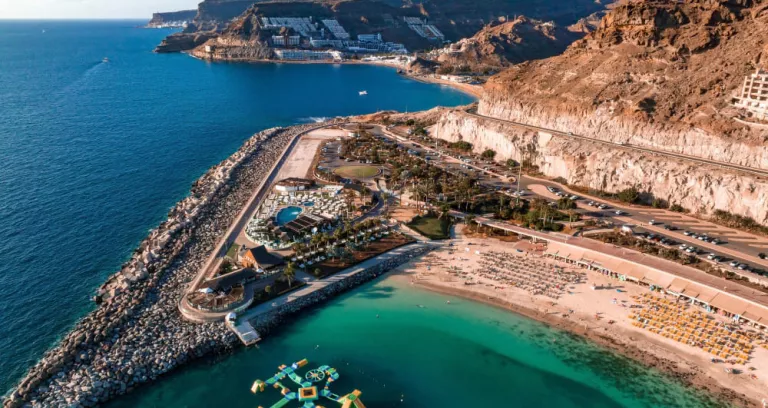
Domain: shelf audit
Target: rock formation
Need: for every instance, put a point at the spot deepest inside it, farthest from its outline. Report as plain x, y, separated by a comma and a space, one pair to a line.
175, 17
659, 75
501, 44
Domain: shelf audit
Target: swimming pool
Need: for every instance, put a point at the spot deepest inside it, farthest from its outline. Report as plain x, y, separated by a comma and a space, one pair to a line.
287, 215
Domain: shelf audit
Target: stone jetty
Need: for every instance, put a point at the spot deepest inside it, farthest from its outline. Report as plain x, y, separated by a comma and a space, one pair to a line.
136, 332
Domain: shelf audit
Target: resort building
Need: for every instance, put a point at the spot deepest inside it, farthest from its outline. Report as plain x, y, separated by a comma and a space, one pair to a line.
306, 224
286, 40
294, 184
371, 38
258, 258
336, 29
308, 55
423, 29
754, 95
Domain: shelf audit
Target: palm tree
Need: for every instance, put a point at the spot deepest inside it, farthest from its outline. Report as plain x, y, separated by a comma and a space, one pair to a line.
444, 209
289, 273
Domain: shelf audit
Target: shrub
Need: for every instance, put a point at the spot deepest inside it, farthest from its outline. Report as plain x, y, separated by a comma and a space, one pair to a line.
677, 208
462, 146
489, 154
560, 180
659, 203
629, 195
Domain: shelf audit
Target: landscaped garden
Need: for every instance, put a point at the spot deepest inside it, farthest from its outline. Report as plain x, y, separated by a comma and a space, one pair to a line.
432, 226
357, 172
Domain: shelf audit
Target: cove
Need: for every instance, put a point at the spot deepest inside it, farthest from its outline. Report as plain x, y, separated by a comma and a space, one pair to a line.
462, 354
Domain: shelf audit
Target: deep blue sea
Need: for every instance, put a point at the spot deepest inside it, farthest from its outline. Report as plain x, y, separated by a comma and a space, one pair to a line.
93, 154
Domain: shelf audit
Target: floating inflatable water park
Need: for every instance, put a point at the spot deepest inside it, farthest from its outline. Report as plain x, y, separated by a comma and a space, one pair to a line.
309, 394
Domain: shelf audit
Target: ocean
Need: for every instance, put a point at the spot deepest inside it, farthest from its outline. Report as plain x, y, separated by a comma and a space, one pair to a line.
457, 355
92, 156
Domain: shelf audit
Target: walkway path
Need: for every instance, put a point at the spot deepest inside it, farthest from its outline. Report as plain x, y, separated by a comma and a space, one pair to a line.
314, 284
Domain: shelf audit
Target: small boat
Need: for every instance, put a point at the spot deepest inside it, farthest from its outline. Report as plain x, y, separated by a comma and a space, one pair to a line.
363, 93
105, 60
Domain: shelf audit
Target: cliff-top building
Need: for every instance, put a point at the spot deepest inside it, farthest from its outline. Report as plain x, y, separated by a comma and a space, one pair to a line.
754, 95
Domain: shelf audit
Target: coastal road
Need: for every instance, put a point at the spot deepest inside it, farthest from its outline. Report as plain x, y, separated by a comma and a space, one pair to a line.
739, 245
627, 146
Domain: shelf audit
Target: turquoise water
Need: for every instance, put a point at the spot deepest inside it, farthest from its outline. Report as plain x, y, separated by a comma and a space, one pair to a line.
461, 354
287, 215
93, 154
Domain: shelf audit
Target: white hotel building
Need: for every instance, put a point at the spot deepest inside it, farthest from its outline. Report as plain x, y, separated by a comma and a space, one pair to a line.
754, 95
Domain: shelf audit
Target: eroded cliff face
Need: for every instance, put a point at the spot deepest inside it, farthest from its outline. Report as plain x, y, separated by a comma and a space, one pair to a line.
654, 74
701, 189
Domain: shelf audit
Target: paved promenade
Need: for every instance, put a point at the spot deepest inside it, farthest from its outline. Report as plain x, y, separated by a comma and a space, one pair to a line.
314, 284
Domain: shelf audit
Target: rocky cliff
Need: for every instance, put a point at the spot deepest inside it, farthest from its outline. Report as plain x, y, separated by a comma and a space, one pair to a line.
702, 189
501, 44
163, 19
654, 74
660, 75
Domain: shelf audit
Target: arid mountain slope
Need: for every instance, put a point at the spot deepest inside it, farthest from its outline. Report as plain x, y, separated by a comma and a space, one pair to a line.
501, 44
655, 74
658, 74
653, 61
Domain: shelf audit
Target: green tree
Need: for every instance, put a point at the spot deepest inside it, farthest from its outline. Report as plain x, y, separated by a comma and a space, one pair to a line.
488, 154
289, 273
511, 163
268, 289
629, 195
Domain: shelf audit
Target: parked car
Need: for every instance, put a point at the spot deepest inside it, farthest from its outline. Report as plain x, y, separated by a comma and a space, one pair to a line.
687, 233
619, 212
574, 197
743, 267
602, 207
551, 189
733, 264
652, 222
669, 227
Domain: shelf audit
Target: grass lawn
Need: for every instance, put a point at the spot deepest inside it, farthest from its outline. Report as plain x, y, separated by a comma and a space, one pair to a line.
431, 227
357, 171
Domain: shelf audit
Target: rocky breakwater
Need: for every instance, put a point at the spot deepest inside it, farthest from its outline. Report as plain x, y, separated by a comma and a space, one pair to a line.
136, 333
700, 188
269, 321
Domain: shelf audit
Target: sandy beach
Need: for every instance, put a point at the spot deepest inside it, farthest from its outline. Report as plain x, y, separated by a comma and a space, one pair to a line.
597, 307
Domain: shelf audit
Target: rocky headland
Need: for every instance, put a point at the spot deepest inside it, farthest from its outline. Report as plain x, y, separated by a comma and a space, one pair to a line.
658, 75
174, 18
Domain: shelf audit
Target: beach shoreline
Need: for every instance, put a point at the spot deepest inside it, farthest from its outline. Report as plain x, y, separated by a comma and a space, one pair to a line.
686, 366
475, 91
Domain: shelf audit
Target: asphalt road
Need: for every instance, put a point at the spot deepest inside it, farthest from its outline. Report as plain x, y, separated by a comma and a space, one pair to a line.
500, 178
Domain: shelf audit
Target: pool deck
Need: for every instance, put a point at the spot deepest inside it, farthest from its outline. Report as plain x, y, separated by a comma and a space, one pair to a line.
298, 164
